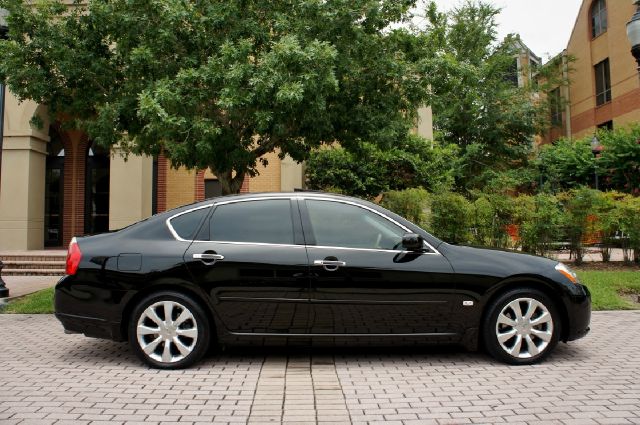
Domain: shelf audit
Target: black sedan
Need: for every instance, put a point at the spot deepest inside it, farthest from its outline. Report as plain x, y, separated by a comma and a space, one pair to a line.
310, 268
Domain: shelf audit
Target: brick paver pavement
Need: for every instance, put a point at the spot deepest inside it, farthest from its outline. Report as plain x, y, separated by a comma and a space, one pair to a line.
49, 377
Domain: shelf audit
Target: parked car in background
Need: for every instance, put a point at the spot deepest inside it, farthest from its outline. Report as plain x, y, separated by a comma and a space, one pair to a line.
300, 267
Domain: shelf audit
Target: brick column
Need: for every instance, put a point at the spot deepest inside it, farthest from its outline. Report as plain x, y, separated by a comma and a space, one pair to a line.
75, 161
161, 188
199, 186
245, 184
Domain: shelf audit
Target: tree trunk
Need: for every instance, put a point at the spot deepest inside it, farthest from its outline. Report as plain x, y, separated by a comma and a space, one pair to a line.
229, 183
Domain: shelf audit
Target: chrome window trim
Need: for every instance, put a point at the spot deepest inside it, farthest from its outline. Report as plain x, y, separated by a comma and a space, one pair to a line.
173, 231
291, 198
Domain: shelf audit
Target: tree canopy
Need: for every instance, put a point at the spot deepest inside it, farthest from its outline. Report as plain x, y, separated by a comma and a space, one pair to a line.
218, 84
476, 103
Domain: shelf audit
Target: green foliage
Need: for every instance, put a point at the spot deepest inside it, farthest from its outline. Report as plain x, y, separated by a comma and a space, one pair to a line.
629, 216
476, 100
608, 213
579, 205
569, 164
219, 84
542, 223
450, 217
491, 214
536, 224
367, 170
411, 204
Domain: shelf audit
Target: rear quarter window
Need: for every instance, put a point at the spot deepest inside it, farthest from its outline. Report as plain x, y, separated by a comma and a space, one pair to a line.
186, 225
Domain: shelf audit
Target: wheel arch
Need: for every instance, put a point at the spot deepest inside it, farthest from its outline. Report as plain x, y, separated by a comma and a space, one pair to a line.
532, 282
185, 288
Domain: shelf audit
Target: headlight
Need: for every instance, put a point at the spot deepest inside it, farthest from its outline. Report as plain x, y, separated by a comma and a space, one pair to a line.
567, 272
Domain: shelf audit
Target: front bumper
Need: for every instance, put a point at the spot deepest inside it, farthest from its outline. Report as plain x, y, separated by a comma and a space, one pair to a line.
579, 314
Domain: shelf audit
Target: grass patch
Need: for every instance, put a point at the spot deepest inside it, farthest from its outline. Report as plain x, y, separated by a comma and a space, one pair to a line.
608, 288
40, 302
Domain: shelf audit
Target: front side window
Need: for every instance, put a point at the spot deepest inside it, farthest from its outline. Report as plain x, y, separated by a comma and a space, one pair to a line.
603, 82
343, 225
598, 18
264, 221
186, 225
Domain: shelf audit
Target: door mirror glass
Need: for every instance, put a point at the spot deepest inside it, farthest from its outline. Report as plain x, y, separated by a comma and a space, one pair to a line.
412, 242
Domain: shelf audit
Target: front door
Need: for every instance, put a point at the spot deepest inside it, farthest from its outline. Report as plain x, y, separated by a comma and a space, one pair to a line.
54, 190
251, 259
363, 282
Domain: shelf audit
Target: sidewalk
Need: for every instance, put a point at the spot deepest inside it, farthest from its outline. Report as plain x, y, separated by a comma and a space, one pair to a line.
23, 285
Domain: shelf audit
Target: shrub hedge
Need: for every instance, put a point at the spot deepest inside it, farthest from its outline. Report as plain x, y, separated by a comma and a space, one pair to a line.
532, 223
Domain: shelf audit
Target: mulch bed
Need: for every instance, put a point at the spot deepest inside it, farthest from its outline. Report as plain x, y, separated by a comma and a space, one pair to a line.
615, 266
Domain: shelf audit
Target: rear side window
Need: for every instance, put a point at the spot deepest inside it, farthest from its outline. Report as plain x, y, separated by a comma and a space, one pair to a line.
187, 224
267, 221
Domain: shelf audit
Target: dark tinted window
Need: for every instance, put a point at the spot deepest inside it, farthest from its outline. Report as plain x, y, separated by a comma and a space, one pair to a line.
555, 104
186, 225
267, 221
349, 226
603, 82
212, 188
598, 17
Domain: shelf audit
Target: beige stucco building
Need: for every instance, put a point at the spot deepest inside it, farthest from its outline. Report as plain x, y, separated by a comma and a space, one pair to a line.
605, 86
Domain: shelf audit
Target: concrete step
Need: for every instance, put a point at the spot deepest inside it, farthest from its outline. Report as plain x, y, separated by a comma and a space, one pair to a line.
26, 257
33, 272
21, 264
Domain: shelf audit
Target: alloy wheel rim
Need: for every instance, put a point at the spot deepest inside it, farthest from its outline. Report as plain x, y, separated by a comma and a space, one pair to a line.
524, 328
167, 331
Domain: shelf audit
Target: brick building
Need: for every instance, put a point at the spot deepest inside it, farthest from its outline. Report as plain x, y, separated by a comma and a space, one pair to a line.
605, 86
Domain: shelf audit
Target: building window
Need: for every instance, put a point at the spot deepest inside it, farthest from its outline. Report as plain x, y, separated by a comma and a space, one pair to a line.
606, 126
603, 83
555, 106
598, 18
212, 188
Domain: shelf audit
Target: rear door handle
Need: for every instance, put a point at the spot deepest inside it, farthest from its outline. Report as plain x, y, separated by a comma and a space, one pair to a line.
330, 263
208, 258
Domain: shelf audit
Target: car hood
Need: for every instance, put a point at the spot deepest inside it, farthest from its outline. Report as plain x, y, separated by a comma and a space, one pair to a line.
495, 262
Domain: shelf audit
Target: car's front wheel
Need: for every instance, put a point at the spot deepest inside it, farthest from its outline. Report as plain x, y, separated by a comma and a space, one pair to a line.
521, 327
169, 330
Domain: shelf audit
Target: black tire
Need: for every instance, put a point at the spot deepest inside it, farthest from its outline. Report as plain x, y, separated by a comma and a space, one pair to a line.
192, 334
524, 330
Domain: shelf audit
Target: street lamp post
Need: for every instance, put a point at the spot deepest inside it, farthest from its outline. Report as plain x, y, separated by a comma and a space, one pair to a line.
4, 292
633, 32
596, 148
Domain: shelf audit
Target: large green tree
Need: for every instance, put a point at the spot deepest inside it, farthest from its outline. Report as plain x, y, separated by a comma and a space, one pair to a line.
214, 83
477, 103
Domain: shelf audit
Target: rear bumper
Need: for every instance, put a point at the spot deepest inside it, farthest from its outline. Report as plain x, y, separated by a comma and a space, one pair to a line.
90, 326
81, 308
579, 312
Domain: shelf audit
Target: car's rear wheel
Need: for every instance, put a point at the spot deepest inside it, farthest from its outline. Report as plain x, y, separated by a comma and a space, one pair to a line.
169, 330
521, 327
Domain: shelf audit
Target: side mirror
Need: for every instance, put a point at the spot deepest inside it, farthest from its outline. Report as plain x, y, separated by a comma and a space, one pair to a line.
412, 242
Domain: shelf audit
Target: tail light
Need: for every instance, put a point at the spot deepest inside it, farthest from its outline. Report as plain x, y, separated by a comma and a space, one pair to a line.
74, 255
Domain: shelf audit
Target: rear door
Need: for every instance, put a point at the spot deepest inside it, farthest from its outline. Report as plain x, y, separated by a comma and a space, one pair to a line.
250, 258
363, 282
